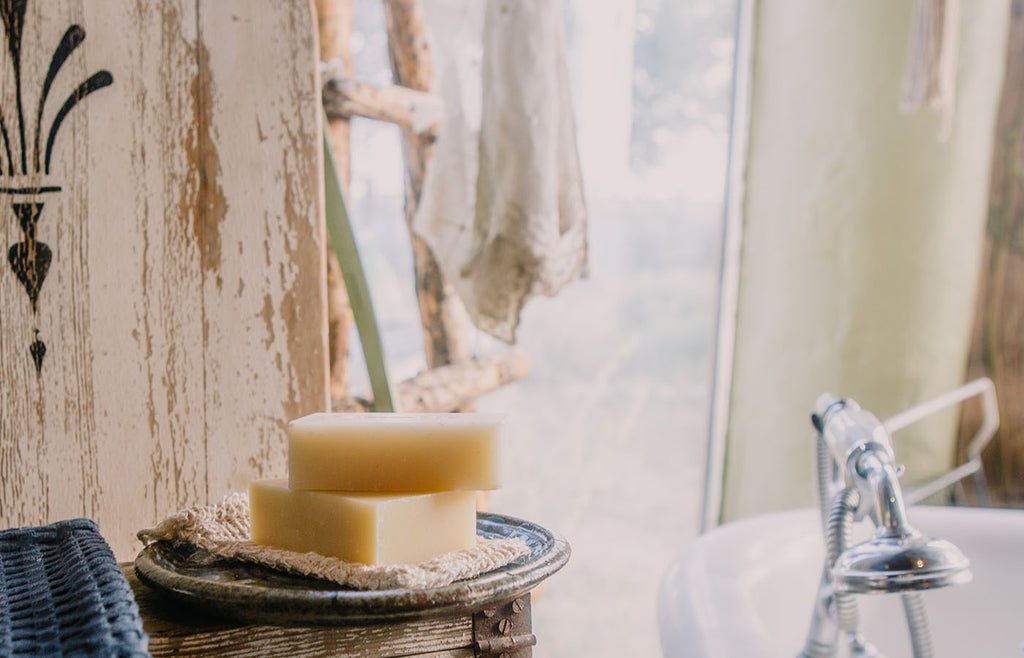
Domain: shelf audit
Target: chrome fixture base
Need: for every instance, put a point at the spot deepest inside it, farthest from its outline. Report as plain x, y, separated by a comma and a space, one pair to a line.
858, 478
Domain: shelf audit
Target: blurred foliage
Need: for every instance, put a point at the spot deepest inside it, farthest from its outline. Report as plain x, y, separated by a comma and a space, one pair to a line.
683, 63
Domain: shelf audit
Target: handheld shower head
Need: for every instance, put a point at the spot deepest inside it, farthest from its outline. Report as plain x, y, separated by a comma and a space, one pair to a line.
899, 563
861, 479
897, 558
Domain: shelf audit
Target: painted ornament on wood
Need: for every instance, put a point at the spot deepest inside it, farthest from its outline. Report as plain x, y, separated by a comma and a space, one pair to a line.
30, 259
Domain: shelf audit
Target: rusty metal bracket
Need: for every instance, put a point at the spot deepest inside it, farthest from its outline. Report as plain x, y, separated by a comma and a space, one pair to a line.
505, 630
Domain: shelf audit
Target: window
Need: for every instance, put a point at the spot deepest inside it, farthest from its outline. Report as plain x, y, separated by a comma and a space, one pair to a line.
606, 437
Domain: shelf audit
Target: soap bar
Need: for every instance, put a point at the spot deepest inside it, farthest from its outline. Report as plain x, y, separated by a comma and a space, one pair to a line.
392, 452
368, 528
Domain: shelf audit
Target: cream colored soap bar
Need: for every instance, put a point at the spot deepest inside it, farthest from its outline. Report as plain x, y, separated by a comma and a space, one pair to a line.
368, 528
390, 452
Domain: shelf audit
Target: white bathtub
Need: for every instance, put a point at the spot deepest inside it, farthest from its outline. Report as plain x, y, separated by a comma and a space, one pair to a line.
746, 589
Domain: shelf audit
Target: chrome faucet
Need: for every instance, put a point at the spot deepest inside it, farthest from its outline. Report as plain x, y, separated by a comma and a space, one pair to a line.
857, 472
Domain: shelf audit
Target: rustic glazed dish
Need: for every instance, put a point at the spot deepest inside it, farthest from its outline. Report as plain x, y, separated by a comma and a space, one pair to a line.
252, 593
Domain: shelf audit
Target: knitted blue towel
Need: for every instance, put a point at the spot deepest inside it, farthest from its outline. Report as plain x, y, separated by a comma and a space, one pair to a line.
62, 593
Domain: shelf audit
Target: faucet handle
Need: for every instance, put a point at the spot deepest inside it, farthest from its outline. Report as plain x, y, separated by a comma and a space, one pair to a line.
849, 430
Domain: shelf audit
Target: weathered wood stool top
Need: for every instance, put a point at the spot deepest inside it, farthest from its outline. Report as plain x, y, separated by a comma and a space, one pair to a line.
191, 596
180, 631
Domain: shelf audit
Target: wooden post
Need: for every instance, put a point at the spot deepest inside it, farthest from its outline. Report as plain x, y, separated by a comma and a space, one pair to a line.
444, 318
997, 347
335, 27
451, 387
334, 21
346, 97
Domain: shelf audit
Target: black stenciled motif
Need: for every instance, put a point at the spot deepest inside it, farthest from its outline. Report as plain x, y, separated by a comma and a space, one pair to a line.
38, 351
30, 259
13, 14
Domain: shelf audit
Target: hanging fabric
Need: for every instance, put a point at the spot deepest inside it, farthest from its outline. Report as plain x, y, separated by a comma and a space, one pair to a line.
502, 205
930, 76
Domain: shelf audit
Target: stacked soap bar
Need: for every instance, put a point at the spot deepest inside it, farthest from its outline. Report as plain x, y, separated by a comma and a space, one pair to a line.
367, 528
379, 488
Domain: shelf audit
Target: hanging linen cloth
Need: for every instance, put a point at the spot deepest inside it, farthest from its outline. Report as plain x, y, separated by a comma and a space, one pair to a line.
502, 204
929, 79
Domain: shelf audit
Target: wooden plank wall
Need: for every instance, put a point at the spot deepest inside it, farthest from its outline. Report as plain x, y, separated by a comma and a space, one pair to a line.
183, 310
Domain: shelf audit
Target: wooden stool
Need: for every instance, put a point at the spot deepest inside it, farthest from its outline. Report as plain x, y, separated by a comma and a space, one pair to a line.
502, 628
193, 604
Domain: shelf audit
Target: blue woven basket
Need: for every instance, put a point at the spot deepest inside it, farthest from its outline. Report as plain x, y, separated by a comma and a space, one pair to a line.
62, 593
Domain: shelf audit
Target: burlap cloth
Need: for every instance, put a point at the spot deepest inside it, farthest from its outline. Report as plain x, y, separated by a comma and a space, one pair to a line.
223, 530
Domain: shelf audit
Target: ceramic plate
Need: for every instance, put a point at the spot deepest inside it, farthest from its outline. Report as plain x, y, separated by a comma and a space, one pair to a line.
252, 593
